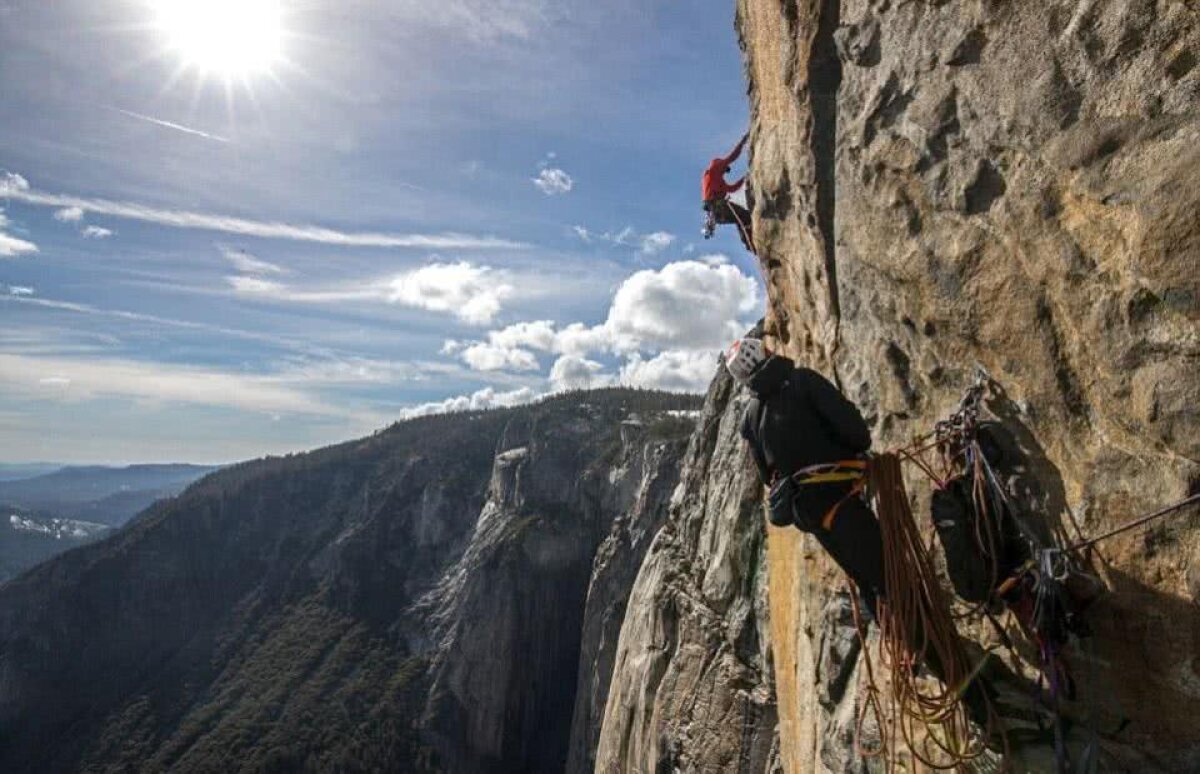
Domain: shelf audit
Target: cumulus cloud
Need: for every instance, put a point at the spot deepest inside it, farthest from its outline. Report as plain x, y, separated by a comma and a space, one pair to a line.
95, 232
553, 181
474, 294
576, 373
686, 304
248, 264
508, 348
489, 357
16, 187
673, 370
668, 324
69, 215
482, 399
537, 334
653, 244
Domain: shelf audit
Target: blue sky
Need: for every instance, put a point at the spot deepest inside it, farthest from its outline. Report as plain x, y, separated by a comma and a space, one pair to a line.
413, 207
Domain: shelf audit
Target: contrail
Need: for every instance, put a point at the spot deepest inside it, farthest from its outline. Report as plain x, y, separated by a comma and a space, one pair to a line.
15, 187
172, 125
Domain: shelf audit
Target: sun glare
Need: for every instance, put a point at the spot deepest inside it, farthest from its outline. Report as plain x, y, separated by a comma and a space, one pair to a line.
233, 38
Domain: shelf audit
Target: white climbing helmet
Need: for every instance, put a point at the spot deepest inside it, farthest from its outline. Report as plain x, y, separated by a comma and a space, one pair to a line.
744, 357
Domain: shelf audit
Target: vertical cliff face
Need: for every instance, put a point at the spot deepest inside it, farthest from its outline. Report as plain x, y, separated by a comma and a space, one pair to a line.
520, 619
1010, 184
691, 687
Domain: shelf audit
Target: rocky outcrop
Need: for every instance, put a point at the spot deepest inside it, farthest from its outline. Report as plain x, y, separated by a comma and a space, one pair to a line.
691, 687
940, 185
520, 619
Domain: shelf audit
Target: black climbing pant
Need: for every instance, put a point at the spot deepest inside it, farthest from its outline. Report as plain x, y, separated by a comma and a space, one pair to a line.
725, 211
855, 543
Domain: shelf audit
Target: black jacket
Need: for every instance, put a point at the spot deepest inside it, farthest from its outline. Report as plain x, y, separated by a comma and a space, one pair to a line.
798, 418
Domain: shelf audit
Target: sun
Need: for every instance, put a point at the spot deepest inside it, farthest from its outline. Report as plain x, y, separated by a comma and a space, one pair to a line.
230, 38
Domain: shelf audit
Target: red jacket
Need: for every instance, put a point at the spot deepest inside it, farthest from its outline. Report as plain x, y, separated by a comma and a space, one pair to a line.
712, 184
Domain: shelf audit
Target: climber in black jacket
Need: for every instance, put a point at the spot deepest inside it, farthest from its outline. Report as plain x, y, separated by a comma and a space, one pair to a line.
800, 426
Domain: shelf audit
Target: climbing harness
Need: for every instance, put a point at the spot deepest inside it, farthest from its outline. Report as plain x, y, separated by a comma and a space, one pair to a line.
785, 489
853, 471
710, 222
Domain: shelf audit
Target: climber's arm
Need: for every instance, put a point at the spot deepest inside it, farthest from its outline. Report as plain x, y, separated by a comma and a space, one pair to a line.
841, 416
737, 150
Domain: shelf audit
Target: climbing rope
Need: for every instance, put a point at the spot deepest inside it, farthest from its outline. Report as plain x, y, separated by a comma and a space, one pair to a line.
917, 626
743, 230
1135, 523
917, 629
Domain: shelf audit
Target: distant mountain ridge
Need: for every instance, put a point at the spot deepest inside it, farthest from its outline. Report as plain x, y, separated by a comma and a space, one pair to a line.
103, 494
16, 471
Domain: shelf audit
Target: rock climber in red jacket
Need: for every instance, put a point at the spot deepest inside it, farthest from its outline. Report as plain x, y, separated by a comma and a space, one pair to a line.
715, 192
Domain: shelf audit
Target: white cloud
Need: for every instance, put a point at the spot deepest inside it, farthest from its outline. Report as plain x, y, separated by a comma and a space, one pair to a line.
668, 323
16, 187
262, 287
674, 370
653, 244
489, 357
537, 334
576, 373
683, 305
11, 184
69, 215
689, 305
19, 290
580, 339
508, 348
482, 399
248, 264
474, 294
11, 246
86, 378
95, 232
553, 181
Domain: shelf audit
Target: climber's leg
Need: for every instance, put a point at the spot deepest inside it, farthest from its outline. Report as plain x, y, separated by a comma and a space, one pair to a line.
855, 543
731, 213
743, 221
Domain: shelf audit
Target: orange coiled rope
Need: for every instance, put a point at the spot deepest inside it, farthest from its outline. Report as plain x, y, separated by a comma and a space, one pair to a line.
917, 628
